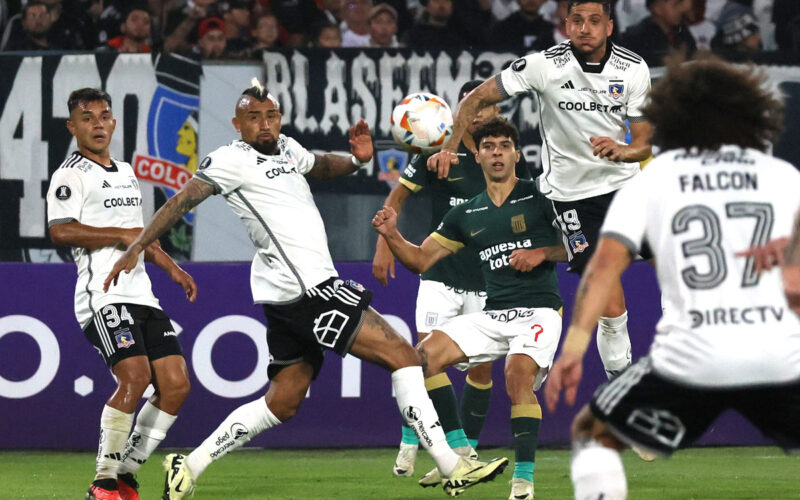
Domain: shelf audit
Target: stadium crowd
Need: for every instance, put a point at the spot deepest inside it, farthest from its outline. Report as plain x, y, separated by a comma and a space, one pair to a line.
241, 29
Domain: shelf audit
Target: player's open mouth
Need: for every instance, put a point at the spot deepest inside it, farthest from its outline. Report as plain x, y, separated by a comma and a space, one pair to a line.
498, 165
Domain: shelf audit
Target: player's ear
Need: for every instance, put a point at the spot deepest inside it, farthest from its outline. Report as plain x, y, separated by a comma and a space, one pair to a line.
235, 122
113, 124
610, 27
518, 155
71, 127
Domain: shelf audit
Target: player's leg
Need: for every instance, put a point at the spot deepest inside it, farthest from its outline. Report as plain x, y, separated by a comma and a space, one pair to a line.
779, 423
596, 466
378, 343
477, 393
119, 340
526, 419
171, 382
613, 340
287, 389
436, 303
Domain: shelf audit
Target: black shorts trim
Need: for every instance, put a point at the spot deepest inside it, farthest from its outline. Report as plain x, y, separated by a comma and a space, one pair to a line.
124, 330
653, 412
327, 317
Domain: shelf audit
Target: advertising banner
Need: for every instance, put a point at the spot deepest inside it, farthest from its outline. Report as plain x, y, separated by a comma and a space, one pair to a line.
53, 383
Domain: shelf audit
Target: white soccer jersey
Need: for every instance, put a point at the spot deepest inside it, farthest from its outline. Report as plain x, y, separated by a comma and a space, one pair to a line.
84, 191
270, 194
579, 100
723, 324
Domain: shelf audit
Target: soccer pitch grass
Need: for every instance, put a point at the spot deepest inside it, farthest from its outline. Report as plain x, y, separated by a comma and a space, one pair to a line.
705, 473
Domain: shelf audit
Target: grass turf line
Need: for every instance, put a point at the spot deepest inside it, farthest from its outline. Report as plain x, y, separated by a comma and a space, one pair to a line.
705, 473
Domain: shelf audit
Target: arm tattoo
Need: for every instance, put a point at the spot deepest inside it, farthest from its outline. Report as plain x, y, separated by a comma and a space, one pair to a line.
580, 294
329, 166
176, 207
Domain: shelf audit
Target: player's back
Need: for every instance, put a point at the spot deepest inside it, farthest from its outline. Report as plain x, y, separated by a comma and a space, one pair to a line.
723, 324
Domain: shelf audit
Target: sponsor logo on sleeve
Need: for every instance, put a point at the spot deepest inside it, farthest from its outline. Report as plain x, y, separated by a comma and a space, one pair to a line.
63, 193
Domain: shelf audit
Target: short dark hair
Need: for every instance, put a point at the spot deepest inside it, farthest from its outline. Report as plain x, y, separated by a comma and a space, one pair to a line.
85, 96
706, 102
33, 3
497, 127
605, 3
468, 87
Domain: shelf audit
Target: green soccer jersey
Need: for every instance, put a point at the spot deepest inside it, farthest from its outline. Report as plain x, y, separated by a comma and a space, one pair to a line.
522, 221
464, 181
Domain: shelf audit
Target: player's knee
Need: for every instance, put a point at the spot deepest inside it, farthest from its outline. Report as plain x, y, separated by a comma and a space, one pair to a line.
284, 409
134, 383
176, 389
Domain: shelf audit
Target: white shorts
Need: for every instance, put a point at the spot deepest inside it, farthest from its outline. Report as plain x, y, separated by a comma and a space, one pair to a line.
489, 335
438, 303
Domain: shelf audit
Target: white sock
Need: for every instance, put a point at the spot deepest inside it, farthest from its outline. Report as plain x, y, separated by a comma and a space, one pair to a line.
418, 411
243, 424
151, 428
597, 472
114, 428
614, 344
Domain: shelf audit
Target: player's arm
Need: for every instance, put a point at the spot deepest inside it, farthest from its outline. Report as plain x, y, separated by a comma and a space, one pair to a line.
638, 150
604, 270
191, 195
330, 166
383, 261
791, 270
79, 235
527, 259
417, 259
485, 94
155, 254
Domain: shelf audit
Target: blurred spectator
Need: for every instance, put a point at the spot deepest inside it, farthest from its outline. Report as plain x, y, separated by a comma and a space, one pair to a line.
298, 18
355, 31
501, 9
109, 20
182, 22
36, 21
738, 29
470, 21
211, 40
327, 35
662, 31
701, 28
236, 14
333, 11
404, 17
135, 32
266, 33
383, 26
560, 31
763, 12
629, 12
432, 30
524, 29
786, 15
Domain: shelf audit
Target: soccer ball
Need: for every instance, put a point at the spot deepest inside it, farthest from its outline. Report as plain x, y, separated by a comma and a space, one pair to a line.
422, 123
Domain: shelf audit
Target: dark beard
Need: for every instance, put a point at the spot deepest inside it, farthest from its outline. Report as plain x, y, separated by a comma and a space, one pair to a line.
265, 148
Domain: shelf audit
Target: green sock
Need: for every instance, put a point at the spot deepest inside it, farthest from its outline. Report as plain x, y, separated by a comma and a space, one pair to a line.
408, 435
474, 406
525, 422
441, 392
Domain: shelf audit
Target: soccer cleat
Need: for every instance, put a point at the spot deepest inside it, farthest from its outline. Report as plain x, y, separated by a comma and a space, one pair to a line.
98, 493
128, 487
434, 477
404, 463
644, 454
178, 482
521, 489
469, 472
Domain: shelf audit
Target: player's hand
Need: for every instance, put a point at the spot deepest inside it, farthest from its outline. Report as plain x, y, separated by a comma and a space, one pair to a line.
526, 260
608, 148
186, 281
383, 263
385, 221
441, 161
125, 263
565, 374
361, 141
768, 256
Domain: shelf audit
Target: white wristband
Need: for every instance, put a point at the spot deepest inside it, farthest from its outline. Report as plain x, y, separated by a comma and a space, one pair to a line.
358, 163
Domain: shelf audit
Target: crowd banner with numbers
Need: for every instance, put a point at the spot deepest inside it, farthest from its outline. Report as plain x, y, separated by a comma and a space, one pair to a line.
53, 383
156, 102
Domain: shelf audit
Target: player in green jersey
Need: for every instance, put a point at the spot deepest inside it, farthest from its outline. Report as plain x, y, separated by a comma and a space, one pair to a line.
508, 225
453, 286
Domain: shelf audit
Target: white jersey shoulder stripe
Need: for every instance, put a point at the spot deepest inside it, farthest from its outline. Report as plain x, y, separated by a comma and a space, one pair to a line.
625, 57
626, 51
70, 161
